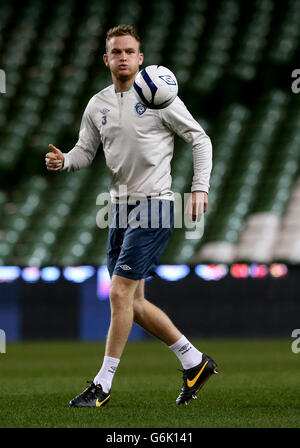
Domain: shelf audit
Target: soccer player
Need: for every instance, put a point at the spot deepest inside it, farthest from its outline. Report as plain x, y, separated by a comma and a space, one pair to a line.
138, 148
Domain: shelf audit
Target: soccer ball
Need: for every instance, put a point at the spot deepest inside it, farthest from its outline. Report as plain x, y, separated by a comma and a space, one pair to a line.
155, 87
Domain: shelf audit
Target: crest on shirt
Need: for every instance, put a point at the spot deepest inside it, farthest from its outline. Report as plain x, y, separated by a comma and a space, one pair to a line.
140, 108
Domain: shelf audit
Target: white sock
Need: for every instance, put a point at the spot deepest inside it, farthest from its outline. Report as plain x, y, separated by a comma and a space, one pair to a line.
106, 373
187, 354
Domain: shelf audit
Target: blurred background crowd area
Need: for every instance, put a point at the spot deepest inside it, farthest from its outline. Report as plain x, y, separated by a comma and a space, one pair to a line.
233, 60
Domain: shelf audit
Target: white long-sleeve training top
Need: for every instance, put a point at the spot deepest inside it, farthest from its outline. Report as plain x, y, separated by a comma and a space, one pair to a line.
138, 144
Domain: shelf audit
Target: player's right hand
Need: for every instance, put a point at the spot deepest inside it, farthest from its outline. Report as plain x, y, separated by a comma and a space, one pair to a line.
54, 160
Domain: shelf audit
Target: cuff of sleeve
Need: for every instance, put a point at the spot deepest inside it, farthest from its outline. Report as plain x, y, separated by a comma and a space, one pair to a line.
66, 166
200, 187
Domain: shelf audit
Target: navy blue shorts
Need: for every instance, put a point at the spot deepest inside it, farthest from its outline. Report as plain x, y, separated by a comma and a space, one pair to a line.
138, 235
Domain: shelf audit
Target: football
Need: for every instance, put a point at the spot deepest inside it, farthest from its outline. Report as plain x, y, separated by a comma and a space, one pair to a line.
155, 87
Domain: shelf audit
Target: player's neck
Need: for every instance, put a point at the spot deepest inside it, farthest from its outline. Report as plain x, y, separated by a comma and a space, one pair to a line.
123, 85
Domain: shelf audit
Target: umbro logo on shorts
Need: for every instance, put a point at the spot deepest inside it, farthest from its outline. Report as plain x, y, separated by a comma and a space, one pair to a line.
125, 267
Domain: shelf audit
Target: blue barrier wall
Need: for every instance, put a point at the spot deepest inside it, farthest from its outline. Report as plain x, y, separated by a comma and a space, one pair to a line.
205, 301
10, 310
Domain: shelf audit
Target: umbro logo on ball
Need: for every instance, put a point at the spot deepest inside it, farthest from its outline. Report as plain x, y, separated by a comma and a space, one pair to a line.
168, 79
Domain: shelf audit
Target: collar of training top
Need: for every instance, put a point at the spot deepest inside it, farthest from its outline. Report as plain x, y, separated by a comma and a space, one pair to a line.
125, 92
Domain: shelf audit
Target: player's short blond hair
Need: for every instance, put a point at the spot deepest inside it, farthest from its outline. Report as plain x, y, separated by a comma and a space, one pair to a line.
122, 30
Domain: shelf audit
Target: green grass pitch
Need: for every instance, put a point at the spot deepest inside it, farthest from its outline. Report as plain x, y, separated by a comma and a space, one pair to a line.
258, 386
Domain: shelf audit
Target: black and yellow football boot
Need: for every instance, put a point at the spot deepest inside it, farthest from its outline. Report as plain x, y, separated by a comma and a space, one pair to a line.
92, 396
195, 378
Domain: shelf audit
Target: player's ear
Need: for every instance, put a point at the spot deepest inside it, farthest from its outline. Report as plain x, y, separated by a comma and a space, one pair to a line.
105, 59
141, 58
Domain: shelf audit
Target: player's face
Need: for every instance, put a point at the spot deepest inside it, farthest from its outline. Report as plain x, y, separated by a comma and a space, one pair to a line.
123, 57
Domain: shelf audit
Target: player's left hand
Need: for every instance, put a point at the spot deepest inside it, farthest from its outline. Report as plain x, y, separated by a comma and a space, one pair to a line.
196, 205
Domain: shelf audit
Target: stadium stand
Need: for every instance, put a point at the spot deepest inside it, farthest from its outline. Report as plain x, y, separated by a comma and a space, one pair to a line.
219, 50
